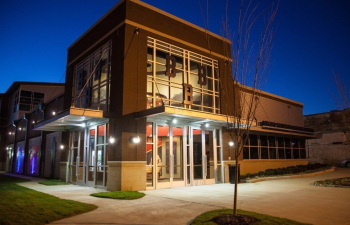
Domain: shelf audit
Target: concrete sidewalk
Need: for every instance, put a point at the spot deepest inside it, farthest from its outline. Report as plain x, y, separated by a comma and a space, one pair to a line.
295, 199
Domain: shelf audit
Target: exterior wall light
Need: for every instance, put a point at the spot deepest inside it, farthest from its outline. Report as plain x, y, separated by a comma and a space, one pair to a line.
53, 113
174, 121
135, 140
20, 128
10, 133
230, 143
62, 147
111, 140
206, 124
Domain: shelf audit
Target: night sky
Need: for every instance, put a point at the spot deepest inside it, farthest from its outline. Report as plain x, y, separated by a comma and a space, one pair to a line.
312, 40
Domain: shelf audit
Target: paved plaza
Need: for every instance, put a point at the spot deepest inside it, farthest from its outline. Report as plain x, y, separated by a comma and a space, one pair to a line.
295, 199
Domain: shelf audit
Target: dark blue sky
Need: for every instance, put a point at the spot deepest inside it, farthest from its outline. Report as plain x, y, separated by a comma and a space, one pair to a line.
312, 41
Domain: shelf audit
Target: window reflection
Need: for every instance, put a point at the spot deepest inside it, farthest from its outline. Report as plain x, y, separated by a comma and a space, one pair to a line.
205, 94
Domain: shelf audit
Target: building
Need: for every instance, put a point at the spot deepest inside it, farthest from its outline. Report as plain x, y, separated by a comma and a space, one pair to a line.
21, 106
333, 131
143, 107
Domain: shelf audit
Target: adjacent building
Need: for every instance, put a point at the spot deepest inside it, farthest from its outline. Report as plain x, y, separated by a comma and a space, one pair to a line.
332, 144
143, 108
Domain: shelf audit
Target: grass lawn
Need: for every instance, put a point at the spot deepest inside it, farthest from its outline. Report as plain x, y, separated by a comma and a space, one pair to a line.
53, 182
123, 195
345, 181
206, 218
21, 205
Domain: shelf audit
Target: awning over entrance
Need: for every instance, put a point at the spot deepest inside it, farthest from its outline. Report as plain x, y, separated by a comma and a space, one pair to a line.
189, 117
70, 119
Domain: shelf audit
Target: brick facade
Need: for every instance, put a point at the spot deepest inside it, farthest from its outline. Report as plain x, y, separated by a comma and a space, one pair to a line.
333, 146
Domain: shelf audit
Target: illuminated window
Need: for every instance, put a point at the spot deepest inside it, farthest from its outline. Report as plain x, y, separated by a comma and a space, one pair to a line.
181, 78
91, 80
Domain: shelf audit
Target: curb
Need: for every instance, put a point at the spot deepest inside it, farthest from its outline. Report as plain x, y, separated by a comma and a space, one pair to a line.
289, 177
327, 185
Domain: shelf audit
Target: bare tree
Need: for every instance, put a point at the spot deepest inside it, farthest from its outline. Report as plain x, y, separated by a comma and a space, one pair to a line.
249, 67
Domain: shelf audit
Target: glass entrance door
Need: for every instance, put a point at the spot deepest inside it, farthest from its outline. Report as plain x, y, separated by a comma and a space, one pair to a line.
184, 156
76, 157
91, 158
198, 157
96, 157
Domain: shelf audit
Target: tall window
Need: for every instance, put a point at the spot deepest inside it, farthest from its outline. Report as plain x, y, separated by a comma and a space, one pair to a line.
181, 78
271, 147
91, 80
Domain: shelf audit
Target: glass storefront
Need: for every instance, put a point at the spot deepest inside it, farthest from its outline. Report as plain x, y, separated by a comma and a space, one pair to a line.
93, 152
185, 155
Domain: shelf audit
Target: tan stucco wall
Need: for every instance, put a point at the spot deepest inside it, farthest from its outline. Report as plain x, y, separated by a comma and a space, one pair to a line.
126, 176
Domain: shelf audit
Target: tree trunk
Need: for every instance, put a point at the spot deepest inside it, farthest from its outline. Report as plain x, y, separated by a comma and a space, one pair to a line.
236, 187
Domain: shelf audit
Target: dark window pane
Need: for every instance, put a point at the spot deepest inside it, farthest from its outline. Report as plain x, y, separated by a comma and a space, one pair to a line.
302, 153
264, 153
295, 143
302, 143
263, 140
281, 153
24, 100
287, 142
254, 154
288, 153
39, 95
245, 153
296, 153
150, 53
280, 142
253, 140
27, 94
272, 142
272, 152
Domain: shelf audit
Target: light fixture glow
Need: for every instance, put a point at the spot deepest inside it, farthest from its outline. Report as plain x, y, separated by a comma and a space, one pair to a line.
136, 140
61, 146
53, 113
111, 140
20, 128
206, 125
230, 143
174, 120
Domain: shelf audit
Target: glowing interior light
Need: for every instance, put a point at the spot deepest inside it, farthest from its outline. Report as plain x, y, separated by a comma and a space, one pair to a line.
230, 143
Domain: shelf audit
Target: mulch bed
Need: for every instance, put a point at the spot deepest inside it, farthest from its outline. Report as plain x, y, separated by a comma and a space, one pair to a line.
231, 219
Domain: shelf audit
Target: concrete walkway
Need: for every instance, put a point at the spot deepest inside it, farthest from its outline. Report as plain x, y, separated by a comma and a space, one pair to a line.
295, 199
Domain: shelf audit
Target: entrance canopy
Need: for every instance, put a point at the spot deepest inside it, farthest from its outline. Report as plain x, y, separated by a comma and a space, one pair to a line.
70, 119
184, 116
